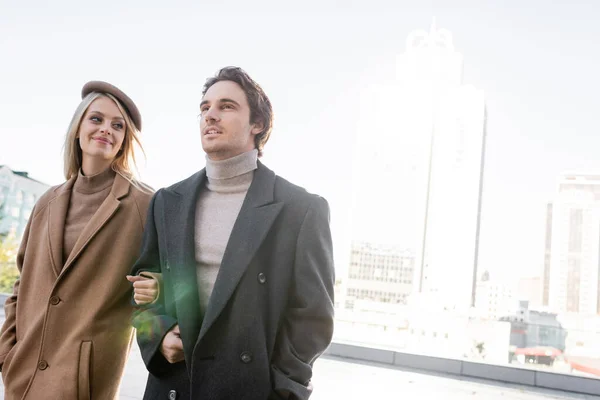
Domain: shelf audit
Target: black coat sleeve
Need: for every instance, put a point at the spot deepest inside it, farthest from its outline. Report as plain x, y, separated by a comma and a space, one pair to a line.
152, 321
307, 327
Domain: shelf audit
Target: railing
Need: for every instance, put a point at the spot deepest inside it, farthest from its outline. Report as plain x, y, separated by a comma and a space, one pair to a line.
477, 340
470, 369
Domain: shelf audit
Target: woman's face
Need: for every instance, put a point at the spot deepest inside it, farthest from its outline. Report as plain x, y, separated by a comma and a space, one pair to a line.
102, 131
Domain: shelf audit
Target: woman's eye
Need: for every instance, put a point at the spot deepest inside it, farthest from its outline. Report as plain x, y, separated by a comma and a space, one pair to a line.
96, 119
118, 125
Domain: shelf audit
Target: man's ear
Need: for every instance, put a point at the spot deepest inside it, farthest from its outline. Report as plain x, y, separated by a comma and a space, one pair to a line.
257, 127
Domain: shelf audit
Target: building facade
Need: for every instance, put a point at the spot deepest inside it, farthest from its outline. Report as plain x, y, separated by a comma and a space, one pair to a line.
547, 258
378, 274
420, 151
18, 195
451, 116
494, 299
571, 278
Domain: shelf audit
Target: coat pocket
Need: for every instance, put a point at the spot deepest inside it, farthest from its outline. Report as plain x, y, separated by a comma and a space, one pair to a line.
85, 363
8, 360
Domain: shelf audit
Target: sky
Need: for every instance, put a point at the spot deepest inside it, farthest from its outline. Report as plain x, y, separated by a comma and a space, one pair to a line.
537, 63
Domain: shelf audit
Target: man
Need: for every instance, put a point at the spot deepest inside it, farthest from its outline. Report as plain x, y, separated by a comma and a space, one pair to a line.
246, 299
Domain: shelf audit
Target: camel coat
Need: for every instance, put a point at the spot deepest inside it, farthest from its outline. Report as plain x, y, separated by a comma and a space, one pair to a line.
67, 333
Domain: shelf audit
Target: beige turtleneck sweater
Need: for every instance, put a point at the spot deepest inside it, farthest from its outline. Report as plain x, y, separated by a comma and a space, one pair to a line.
218, 206
86, 197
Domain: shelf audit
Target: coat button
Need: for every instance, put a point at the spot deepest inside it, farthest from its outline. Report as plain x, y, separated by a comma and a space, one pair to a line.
262, 278
43, 365
246, 357
168, 267
172, 395
54, 300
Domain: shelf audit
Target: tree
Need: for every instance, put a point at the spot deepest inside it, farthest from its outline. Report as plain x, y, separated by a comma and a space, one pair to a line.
3, 233
8, 266
8, 260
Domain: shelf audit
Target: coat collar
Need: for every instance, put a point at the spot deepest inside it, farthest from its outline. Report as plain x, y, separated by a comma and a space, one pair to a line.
57, 216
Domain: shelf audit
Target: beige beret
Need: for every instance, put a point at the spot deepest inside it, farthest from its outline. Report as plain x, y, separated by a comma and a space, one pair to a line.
105, 87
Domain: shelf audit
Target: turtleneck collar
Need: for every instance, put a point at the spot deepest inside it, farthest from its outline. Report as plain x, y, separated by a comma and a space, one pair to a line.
94, 183
233, 174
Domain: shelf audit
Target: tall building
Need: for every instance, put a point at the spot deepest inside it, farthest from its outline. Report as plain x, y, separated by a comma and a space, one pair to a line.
451, 117
573, 279
378, 273
547, 258
18, 195
418, 167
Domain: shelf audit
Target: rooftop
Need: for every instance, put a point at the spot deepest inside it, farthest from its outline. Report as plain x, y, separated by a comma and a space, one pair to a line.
345, 373
343, 378
23, 174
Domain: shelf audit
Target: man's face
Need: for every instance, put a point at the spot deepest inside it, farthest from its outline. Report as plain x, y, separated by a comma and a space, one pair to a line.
225, 122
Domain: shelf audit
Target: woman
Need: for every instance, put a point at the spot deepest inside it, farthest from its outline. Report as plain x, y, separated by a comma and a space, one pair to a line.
67, 332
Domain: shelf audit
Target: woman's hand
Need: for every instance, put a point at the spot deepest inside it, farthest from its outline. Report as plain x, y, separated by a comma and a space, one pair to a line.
145, 289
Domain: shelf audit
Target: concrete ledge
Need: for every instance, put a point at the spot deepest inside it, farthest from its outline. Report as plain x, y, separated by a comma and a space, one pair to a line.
381, 356
500, 373
428, 363
569, 383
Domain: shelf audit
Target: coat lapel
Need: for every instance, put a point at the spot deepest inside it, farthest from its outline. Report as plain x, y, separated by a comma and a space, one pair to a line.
256, 216
57, 214
179, 221
107, 209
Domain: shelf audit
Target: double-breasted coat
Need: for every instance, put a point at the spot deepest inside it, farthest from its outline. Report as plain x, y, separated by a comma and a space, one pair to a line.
67, 331
270, 314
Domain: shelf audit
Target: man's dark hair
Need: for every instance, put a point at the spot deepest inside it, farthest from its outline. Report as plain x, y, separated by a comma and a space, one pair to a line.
260, 106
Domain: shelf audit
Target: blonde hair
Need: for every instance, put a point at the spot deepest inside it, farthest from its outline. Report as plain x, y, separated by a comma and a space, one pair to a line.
124, 162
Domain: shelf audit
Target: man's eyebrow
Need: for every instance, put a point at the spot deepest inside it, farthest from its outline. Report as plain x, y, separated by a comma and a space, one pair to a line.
223, 100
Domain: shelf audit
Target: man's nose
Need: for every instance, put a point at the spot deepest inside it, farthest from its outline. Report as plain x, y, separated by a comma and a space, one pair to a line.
211, 114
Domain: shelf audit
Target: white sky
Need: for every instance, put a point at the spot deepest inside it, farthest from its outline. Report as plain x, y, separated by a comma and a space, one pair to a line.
537, 63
